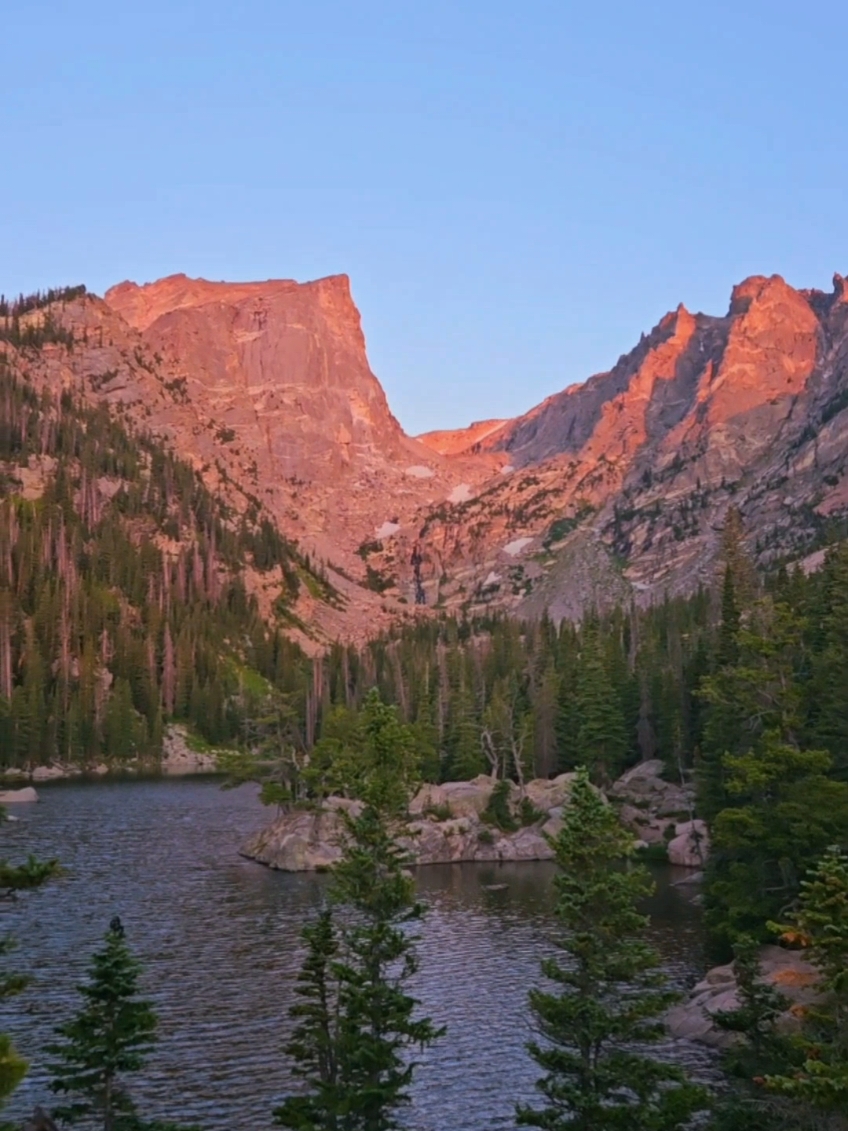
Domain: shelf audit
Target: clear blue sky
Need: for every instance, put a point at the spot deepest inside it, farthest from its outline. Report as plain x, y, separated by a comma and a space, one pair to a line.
517, 190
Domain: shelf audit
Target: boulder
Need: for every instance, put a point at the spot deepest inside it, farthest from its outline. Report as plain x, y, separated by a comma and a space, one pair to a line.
301, 841
553, 826
468, 798
690, 845
347, 805
639, 778
650, 829
429, 796
48, 773
179, 758
545, 795
787, 970
16, 796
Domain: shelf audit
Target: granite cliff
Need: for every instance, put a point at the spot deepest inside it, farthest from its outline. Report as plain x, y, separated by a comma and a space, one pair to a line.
612, 489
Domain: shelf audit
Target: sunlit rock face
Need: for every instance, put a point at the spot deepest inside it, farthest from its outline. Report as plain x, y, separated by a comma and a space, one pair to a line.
282, 364
619, 487
611, 490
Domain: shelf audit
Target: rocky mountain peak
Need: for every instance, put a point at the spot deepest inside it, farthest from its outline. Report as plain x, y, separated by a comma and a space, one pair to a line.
615, 486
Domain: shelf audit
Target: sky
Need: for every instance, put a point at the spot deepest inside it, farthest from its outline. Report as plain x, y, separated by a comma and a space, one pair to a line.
516, 190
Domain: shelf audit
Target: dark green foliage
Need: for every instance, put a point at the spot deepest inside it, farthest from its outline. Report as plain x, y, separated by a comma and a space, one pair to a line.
759, 1047
367, 754
763, 1047
821, 924
601, 738
24, 877
25, 304
784, 812
498, 812
597, 1025
355, 1020
313, 1047
111, 1037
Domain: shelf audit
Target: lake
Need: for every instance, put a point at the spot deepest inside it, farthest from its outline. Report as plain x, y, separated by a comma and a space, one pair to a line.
219, 937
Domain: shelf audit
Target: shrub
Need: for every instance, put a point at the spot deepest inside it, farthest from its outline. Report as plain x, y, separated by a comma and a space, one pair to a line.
497, 812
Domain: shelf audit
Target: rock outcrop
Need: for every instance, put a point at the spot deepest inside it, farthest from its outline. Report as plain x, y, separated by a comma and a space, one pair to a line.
18, 796
787, 970
690, 845
660, 812
446, 826
178, 757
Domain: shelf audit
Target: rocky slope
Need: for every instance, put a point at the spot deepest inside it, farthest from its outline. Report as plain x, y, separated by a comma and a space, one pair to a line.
611, 489
265, 388
620, 486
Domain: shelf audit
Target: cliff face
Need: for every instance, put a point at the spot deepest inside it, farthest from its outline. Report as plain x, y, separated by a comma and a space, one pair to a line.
266, 390
609, 489
620, 486
279, 364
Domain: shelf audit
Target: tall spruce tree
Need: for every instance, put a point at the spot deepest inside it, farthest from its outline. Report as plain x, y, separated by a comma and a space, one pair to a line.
110, 1038
355, 1019
786, 809
759, 1046
601, 737
610, 995
313, 1047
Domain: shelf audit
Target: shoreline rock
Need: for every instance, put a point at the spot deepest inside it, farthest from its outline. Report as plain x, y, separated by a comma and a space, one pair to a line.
446, 827
659, 812
787, 970
178, 760
18, 796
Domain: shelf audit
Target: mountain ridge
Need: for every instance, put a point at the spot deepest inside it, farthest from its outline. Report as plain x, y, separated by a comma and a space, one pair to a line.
619, 483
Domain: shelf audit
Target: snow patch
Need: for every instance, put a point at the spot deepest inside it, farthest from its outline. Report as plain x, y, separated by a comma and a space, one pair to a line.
387, 530
513, 548
460, 494
417, 471
492, 579
506, 469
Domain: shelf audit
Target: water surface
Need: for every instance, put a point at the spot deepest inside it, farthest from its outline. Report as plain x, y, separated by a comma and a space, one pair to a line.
219, 937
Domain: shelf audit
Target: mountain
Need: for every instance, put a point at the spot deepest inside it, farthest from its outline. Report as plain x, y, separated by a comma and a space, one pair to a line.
620, 486
614, 489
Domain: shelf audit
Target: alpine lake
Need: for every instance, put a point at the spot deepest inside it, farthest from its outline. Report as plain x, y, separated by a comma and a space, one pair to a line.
219, 937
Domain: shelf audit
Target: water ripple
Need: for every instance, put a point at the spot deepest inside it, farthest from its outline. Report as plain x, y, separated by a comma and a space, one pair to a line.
219, 937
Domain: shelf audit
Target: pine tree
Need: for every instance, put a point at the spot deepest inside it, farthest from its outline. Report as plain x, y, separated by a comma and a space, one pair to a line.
610, 994
759, 1047
601, 737
785, 811
725, 726
821, 924
111, 1037
313, 1046
356, 1021
377, 1015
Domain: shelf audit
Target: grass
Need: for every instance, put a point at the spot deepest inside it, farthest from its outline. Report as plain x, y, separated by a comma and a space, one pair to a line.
439, 812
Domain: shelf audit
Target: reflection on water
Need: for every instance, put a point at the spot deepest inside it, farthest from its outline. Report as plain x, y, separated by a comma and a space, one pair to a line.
219, 939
